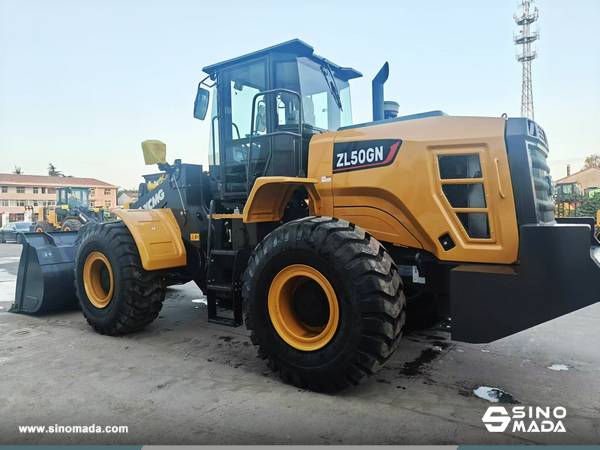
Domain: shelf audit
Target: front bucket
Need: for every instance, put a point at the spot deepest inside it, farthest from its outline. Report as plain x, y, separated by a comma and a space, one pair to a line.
45, 280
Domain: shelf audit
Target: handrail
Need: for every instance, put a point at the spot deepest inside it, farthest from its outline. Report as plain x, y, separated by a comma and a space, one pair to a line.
209, 232
499, 182
299, 135
237, 130
212, 130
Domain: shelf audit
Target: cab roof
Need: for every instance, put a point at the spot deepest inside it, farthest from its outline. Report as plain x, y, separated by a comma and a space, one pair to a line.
296, 47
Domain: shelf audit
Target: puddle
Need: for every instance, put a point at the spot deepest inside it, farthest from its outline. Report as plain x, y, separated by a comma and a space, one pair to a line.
495, 395
200, 300
559, 367
416, 367
441, 344
445, 326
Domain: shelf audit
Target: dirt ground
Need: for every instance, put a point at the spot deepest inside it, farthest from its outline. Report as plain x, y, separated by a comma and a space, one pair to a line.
184, 381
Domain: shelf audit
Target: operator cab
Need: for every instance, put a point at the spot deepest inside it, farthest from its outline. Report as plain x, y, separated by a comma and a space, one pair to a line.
266, 107
73, 197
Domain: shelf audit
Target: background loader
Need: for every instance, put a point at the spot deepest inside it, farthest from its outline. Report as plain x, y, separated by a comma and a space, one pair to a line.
315, 232
71, 212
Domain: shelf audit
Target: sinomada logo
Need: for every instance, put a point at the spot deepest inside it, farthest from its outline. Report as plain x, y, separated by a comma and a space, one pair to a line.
358, 155
527, 419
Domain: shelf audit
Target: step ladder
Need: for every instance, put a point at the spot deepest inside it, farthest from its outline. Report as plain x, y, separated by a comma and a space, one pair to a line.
224, 286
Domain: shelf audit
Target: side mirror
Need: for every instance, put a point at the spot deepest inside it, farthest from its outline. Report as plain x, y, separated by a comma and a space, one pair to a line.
155, 152
201, 103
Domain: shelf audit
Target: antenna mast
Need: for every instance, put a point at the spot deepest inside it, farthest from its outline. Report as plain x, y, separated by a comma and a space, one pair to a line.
525, 38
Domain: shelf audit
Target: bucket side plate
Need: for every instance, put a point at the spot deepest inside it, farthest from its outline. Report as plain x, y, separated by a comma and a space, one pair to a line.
45, 278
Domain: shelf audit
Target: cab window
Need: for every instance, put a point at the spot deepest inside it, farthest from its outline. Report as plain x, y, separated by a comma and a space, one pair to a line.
320, 109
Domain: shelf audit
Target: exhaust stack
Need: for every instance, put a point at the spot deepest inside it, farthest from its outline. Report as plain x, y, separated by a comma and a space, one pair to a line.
377, 85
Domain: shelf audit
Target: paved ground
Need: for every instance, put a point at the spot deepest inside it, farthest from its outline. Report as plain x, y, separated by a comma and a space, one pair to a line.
183, 381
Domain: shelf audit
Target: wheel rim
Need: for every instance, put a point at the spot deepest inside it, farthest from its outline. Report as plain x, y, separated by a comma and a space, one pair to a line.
297, 286
39, 230
66, 229
98, 279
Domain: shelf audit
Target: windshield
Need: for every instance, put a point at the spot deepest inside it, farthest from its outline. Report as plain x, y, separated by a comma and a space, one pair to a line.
23, 225
74, 197
319, 99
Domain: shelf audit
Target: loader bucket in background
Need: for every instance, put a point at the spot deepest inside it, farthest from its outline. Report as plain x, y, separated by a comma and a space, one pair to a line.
45, 279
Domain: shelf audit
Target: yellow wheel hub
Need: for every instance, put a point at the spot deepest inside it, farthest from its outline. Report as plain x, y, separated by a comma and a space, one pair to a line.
66, 229
98, 279
39, 230
295, 293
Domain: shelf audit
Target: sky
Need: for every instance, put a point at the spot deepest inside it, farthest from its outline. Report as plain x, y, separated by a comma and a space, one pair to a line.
83, 83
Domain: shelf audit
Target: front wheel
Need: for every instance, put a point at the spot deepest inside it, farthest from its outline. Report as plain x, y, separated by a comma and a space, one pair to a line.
116, 294
44, 227
71, 225
19, 238
324, 302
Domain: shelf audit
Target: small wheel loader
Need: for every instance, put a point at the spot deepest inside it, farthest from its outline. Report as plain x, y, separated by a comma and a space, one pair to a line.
70, 213
316, 232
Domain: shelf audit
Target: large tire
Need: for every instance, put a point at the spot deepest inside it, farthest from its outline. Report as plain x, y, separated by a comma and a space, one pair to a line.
367, 289
124, 301
71, 225
44, 227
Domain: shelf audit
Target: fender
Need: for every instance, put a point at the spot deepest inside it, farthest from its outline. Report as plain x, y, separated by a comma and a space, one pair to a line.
157, 236
270, 195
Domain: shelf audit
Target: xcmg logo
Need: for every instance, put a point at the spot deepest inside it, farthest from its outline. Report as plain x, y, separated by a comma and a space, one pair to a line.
154, 200
528, 420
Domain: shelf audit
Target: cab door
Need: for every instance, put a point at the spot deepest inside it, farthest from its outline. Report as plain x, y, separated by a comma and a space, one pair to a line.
238, 85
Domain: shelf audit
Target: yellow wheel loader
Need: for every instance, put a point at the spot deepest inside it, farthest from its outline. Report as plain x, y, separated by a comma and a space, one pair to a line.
70, 213
315, 231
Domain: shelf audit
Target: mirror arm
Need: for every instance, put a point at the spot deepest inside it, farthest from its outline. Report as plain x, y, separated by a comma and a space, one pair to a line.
212, 76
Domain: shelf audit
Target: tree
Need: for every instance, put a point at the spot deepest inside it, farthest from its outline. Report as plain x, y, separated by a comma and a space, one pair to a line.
18, 170
589, 206
592, 161
53, 171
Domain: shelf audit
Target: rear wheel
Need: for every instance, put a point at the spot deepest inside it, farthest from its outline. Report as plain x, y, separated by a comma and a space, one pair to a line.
116, 294
324, 302
19, 238
44, 227
2, 239
71, 225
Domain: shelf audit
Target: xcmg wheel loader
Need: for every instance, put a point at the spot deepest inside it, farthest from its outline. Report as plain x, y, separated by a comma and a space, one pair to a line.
70, 213
315, 231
